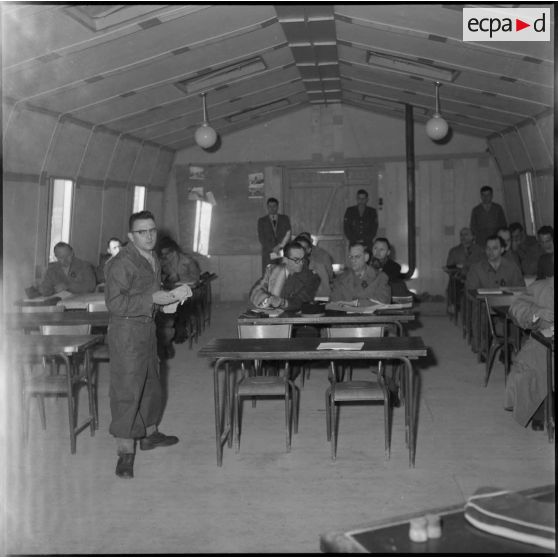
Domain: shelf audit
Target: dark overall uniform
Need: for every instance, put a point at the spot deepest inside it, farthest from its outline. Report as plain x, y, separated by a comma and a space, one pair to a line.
135, 387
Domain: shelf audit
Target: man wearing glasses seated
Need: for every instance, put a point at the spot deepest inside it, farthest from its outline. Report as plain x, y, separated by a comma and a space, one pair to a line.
287, 285
361, 282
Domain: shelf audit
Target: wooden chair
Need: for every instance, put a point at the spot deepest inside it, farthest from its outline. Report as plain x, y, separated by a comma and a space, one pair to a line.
355, 390
48, 383
253, 385
496, 341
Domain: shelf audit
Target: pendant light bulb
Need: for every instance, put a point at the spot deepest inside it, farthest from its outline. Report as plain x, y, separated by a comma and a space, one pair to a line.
437, 128
205, 135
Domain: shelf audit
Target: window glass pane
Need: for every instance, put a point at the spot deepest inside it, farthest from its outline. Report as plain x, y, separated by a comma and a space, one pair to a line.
202, 227
61, 213
139, 199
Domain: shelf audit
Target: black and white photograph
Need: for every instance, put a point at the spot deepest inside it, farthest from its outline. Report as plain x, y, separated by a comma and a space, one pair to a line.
277, 279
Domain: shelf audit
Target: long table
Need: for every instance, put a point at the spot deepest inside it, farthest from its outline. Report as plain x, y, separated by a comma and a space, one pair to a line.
332, 317
33, 320
67, 347
225, 351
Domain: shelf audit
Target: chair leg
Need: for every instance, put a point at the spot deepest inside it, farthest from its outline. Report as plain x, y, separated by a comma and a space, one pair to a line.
289, 403
387, 425
334, 418
296, 392
492, 351
237, 419
328, 417
41, 404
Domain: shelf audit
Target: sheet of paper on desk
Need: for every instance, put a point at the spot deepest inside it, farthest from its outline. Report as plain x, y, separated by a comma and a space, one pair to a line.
340, 346
490, 291
374, 307
64, 294
548, 332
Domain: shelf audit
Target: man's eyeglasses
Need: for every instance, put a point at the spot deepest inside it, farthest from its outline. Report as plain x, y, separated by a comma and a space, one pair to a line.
144, 232
295, 260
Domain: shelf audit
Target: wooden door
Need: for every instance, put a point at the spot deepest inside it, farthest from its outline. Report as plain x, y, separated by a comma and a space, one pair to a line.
316, 200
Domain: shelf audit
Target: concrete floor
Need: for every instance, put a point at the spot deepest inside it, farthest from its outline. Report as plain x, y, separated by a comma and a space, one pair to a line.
264, 500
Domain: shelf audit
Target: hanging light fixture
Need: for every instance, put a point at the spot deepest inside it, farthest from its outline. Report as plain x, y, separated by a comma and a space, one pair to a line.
205, 135
437, 128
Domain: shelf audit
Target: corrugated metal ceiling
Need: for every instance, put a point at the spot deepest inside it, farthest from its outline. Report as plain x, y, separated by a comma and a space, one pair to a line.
119, 65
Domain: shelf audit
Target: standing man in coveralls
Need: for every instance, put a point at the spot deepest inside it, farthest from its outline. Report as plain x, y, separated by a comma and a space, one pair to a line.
360, 224
133, 294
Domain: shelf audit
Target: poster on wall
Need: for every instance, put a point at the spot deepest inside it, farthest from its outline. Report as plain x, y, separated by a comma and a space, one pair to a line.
256, 185
196, 173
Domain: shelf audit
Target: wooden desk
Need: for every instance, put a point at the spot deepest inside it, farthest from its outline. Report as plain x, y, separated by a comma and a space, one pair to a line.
333, 317
80, 302
67, 347
305, 348
548, 343
24, 321
391, 536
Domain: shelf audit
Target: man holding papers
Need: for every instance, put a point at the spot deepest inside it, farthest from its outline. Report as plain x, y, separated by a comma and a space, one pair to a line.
361, 282
133, 295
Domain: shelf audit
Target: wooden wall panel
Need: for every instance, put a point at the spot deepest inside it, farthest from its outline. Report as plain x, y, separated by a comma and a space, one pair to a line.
117, 206
502, 155
86, 224
544, 200
98, 156
67, 150
533, 139
518, 152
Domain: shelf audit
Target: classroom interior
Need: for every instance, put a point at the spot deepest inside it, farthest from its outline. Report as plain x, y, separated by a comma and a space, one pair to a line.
310, 103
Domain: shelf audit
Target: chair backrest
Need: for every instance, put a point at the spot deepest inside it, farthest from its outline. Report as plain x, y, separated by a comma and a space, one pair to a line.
98, 306
81, 329
36, 309
252, 331
357, 331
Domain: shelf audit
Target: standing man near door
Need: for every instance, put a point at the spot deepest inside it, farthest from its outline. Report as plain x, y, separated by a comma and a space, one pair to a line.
274, 231
360, 224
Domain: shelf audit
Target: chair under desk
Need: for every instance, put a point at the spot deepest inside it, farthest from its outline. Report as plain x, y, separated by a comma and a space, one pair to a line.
396, 318
227, 351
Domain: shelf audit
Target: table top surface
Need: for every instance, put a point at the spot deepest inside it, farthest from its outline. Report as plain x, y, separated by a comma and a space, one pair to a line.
391, 536
22, 320
51, 344
306, 347
329, 317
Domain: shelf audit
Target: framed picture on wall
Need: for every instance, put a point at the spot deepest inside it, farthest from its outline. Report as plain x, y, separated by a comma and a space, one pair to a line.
256, 185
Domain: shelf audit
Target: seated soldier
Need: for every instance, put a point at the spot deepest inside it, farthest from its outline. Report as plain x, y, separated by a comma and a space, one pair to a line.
461, 257
545, 238
318, 254
505, 234
316, 266
361, 282
381, 251
113, 247
493, 272
287, 285
527, 249
176, 268
526, 388
68, 273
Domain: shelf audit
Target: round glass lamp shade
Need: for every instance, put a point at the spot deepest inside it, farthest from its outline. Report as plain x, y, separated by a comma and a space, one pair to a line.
437, 127
205, 136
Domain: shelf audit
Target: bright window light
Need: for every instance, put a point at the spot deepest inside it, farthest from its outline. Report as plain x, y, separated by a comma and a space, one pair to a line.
139, 199
61, 213
202, 227
526, 186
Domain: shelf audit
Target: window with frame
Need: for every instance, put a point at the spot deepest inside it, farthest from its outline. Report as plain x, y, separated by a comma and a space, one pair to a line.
60, 214
202, 227
139, 199
527, 202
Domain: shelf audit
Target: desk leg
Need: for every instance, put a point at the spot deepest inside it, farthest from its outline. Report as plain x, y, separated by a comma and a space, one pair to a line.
506, 350
549, 397
71, 407
410, 409
222, 410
